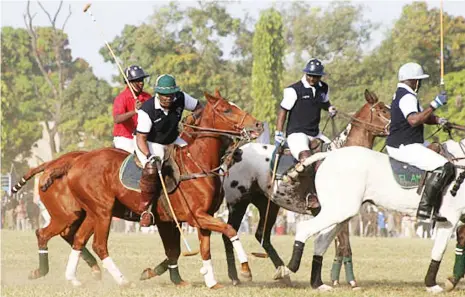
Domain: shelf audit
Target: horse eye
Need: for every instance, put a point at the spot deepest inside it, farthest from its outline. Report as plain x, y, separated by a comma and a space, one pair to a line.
227, 111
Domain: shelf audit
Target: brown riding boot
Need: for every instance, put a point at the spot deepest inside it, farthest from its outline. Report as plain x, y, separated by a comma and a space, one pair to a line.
148, 185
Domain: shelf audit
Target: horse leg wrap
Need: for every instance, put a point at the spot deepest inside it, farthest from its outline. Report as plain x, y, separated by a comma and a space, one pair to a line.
174, 274
87, 256
239, 249
336, 269
297, 253
71, 267
43, 261
161, 268
349, 268
315, 277
459, 265
430, 278
207, 272
109, 265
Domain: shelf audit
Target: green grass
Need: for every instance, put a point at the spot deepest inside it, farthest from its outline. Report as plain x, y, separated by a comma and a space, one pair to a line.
384, 267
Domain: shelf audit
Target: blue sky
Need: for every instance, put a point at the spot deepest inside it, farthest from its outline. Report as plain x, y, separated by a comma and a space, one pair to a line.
86, 39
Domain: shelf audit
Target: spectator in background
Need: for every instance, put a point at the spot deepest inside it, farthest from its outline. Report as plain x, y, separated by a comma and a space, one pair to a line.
391, 225
21, 216
382, 231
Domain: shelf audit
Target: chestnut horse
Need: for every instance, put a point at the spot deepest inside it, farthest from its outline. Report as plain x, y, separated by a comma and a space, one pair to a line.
247, 182
194, 201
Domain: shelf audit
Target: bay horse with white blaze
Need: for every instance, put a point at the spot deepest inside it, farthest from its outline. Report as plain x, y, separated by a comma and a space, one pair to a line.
99, 191
248, 182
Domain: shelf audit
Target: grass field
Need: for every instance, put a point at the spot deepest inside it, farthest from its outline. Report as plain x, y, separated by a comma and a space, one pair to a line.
384, 267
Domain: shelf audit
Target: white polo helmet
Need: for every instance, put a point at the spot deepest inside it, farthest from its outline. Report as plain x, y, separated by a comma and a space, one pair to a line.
411, 71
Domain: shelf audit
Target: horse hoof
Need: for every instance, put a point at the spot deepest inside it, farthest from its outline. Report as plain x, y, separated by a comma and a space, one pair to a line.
246, 275
353, 284
182, 284
236, 282
75, 283
324, 288
148, 273
336, 283
217, 286
34, 274
281, 272
434, 289
450, 283
96, 273
127, 284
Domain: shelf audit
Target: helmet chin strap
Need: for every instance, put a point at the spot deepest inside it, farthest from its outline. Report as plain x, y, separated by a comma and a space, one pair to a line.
417, 85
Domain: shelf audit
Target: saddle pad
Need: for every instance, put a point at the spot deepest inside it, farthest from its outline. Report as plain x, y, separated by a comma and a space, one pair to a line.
407, 176
130, 173
285, 162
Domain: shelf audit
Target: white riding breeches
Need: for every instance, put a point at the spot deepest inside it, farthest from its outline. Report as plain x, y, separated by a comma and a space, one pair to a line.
418, 155
299, 142
124, 143
156, 149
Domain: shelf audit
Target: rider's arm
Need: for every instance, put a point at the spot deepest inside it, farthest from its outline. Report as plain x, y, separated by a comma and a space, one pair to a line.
289, 99
325, 104
193, 105
120, 118
120, 113
432, 120
144, 125
410, 108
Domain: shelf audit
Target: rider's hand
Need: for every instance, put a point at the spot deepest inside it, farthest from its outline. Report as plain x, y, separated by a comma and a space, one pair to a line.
332, 111
439, 101
278, 138
138, 105
442, 121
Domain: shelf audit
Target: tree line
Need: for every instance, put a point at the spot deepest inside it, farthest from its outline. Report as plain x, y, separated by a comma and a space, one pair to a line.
43, 85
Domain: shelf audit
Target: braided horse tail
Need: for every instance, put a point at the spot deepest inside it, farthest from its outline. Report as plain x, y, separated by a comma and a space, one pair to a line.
54, 169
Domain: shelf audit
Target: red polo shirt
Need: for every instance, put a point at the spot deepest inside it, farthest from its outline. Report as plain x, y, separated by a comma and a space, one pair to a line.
123, 103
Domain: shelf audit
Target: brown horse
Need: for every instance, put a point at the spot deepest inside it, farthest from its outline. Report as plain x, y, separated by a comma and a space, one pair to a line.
194, 201
248, 180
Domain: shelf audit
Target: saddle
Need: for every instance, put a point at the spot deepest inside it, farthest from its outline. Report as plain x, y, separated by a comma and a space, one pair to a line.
131, 171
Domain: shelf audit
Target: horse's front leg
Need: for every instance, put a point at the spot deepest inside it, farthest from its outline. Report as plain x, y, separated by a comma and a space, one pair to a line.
207, 268
443, 233
206, 221
459, 264
343, 255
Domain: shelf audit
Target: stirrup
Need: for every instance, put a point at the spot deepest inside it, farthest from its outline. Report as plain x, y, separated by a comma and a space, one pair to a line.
152, 217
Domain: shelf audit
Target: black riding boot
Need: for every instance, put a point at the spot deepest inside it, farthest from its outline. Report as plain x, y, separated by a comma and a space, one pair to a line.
432, 195
148, 185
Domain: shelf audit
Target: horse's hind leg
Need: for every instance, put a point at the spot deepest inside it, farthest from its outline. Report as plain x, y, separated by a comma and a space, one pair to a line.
459, 265
43, 236
263, 234
170, 237
235, 216
68, 236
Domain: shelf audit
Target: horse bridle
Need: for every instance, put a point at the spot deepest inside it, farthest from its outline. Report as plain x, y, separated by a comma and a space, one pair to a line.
368, 125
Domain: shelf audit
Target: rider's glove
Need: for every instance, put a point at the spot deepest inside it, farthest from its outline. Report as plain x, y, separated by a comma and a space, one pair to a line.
332, 111
439, 101
278, 138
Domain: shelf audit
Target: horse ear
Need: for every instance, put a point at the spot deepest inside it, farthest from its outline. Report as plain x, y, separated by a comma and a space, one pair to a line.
217, 93
374, 96
369, 98
210, 98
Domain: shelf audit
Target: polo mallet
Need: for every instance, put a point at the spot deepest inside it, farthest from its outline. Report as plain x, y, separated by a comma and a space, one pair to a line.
87, 9
165, 192
442, 48
273, 177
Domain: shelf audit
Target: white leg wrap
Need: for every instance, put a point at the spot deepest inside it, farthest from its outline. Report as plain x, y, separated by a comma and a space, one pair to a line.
302, 230
109, 265
239, 249
71, 267
207, 272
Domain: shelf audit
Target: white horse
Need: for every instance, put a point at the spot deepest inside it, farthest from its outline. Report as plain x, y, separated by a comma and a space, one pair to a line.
353, 175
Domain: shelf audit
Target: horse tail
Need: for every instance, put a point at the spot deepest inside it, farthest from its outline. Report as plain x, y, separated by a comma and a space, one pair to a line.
315, 158
28, 176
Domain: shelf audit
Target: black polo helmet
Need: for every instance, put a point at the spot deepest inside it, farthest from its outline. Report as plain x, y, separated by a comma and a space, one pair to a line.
135, 72
314, 67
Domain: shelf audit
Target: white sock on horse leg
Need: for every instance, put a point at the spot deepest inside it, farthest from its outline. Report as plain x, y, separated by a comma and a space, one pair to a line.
109, 265
241, 254
207, 272
72, 264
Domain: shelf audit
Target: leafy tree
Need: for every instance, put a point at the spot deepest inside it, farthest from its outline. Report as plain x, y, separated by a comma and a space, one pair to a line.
268, 51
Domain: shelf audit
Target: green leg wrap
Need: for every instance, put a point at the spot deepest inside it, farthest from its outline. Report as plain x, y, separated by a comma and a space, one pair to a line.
459, 265
349, 268
88, 257
174, 274
336, 269
43, 261
162, 267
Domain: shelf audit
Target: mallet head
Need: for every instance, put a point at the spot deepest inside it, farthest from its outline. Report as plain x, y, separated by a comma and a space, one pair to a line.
86, 7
